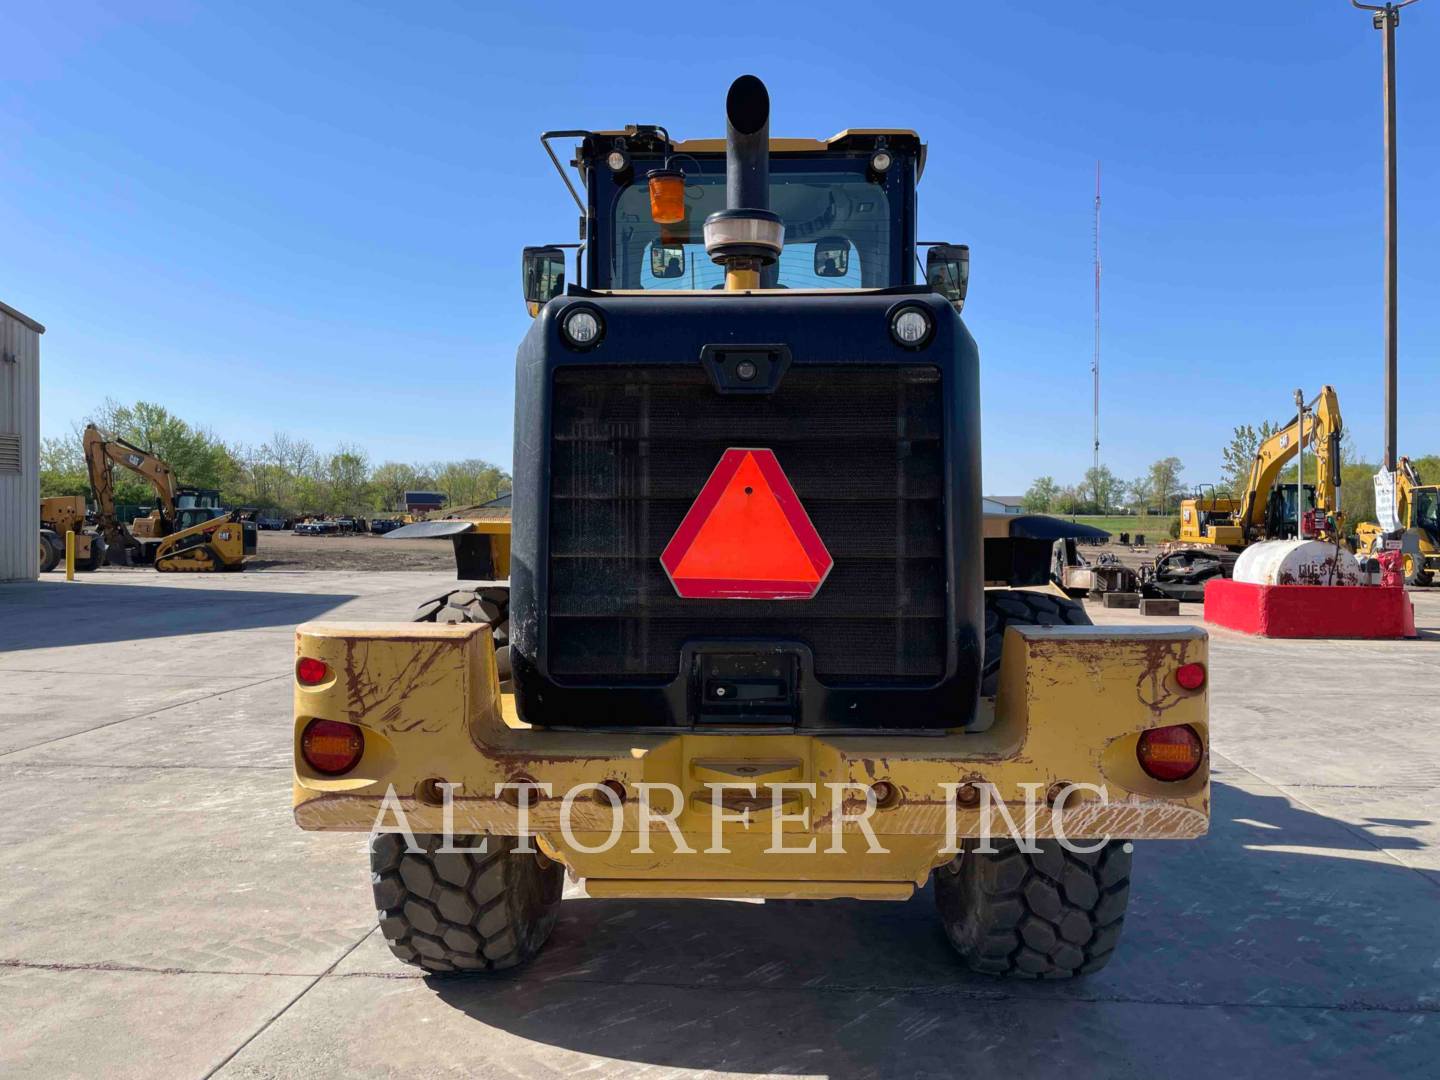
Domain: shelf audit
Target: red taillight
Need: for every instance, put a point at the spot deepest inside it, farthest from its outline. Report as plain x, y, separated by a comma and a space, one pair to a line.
330, 747
1170, 753
1190, 676
311, 672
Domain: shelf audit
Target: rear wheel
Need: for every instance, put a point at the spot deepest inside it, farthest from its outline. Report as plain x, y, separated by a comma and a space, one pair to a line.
488, 603
1019, 607
50, 551
1412, 561
1051, 915
451, 913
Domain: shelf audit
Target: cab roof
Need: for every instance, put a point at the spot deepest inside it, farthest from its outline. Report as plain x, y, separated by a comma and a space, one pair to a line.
849, 139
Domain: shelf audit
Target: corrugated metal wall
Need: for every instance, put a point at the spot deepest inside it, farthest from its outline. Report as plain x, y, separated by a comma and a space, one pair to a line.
19, 446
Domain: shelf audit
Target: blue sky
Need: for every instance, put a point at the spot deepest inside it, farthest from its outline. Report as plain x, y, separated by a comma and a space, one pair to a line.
309, 217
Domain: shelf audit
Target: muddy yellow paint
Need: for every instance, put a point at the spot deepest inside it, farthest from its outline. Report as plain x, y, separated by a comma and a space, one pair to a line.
1071, 706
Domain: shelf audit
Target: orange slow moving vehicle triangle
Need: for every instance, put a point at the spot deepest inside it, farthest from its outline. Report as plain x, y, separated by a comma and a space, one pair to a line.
747, 536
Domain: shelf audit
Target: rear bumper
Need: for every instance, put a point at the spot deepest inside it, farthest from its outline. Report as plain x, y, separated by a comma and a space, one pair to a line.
1072, 704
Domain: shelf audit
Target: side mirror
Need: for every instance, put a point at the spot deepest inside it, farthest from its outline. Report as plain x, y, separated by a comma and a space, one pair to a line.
832, 256
947, 271
666, 262
542, 276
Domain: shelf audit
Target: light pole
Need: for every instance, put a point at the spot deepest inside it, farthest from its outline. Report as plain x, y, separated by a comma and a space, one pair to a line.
1385, 19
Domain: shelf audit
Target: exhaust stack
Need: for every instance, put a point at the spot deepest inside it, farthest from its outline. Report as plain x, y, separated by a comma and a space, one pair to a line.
746, 235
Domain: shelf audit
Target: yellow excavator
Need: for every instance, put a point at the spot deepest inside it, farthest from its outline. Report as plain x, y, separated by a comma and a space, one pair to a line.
188, 531
1215, 528
1417, 510
1265, 510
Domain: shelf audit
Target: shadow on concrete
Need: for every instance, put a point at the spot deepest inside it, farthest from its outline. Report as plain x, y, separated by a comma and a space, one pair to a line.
1303, 948
48, 614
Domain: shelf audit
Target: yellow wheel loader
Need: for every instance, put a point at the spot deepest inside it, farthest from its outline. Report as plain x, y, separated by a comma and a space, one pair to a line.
188, 531
756, 642
61, 514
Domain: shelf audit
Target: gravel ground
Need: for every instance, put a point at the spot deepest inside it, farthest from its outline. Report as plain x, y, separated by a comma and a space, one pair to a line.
286, 551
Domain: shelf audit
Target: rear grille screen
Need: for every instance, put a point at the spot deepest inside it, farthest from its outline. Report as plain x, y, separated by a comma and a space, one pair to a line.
862, 447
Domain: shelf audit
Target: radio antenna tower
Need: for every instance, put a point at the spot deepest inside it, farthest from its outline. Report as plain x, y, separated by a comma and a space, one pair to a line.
1095, 357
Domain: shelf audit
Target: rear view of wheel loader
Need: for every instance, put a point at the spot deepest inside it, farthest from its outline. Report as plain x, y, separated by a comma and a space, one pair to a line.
757, 642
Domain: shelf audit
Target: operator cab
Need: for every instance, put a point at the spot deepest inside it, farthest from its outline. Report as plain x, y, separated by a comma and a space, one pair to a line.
196, 505
1427, 509
1280, 515
847, 205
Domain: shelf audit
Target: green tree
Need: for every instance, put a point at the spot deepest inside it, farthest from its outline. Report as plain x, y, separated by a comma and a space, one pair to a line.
1427, 468
1103, 488
471, 481
1041, 496
62, 468
347, 475
1237, 458
1070, 500
1357, 492
197, 456
1137, 494
390, 481
1165, 482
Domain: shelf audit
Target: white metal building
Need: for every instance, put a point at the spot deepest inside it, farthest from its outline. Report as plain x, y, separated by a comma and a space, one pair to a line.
19, 445
1003, 504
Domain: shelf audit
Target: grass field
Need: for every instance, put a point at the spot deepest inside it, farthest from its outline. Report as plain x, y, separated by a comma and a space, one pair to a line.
1154, 528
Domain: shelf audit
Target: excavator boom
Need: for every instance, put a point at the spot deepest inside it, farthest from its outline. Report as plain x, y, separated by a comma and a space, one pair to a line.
207, 545
1322, 428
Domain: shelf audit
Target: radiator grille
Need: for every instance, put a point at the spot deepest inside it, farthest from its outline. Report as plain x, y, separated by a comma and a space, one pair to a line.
631, 448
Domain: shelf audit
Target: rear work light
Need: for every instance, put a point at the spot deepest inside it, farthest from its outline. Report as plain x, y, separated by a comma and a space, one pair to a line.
1190, 676
1170, 753
312, 672
330, 747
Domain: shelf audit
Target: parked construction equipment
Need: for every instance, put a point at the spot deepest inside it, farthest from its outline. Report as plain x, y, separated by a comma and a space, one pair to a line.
1215, 528
1417, 510
747, 617
188, 530
61, 514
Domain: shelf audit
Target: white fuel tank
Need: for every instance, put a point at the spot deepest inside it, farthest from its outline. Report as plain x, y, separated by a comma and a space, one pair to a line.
1296, 562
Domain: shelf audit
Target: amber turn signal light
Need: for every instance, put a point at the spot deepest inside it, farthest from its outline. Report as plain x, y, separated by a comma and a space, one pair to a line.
330, 747
1170, 753
667, 196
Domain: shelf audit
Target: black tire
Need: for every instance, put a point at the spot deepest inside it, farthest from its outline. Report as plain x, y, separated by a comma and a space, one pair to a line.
1413, 564
1020, 607
1051, 915
50, 551
97, 556
488, 603
453, 914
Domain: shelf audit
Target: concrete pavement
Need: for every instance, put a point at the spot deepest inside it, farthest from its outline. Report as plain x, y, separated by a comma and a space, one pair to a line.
163, 917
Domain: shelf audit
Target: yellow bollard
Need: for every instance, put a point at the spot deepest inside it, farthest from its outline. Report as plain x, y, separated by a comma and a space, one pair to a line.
69, 555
